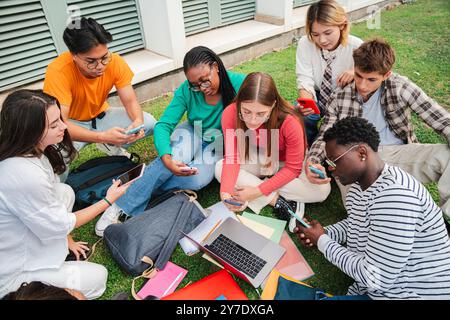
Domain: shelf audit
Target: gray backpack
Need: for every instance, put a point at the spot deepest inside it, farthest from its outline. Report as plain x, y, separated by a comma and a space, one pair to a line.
145, 242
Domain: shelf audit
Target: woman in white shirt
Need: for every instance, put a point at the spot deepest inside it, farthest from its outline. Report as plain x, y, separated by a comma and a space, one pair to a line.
324, 58
35, 209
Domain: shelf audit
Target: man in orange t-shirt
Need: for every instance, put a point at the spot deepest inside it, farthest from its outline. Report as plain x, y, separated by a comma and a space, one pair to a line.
81, 80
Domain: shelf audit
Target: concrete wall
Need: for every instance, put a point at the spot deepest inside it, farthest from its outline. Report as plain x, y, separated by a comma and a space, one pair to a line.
168, 82
158, 67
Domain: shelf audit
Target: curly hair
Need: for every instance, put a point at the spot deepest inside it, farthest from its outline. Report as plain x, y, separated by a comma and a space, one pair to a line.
353, 130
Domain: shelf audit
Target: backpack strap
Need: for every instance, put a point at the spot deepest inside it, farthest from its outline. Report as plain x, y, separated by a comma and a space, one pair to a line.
189, 193
148, 273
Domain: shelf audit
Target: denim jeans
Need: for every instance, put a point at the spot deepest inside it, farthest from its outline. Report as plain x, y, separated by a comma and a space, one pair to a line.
158, 179
311, 127
114, 117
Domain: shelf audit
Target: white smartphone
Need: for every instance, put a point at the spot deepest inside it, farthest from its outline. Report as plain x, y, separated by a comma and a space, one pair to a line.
132, 174
188, 169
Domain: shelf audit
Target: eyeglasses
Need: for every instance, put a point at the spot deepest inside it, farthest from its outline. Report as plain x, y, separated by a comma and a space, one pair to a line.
259, 118
104, 61
332, 163
202, 84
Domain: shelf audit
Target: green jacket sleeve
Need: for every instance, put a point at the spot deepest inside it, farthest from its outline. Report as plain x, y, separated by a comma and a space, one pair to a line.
169, 120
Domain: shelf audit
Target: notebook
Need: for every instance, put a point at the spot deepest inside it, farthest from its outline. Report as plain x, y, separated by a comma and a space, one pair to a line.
164, 283
217, 286
292, 263
276, 224
217, 214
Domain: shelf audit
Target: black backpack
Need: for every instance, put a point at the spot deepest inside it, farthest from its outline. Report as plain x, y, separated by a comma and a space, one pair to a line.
91, 180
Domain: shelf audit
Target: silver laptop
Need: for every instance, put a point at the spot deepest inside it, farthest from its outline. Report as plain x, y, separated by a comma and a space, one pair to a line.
244, 252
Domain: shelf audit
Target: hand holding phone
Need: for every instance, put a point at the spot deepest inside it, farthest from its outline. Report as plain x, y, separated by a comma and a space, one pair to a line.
302, 222
188, 169
132, 174
308, 103
134, 130
232, 202
317, 171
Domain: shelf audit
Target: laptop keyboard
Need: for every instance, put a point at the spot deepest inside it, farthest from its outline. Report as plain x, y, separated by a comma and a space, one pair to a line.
237, 256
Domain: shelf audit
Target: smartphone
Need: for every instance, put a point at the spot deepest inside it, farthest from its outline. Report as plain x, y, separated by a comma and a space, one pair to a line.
308, 103
132, 174
233, 203
303, 223
187, 169
319, 172
135, 129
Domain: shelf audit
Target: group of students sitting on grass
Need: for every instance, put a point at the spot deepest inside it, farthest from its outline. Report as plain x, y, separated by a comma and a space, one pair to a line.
261, 148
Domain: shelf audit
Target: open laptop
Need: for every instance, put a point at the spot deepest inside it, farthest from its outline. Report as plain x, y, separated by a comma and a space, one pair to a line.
244, 252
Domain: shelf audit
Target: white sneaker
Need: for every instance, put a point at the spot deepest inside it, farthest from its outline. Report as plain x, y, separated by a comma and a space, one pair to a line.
110, 216
112, 150
300, 212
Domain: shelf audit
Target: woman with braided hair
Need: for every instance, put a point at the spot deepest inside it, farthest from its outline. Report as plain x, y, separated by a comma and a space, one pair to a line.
185, 159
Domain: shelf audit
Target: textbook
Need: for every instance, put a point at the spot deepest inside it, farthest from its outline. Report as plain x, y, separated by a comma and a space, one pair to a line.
217, 214
164, 283
276, 224
220, 285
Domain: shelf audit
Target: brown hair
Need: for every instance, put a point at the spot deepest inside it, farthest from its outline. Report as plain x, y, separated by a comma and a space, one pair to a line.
330, 13
39, 291
375, 55
260, 87
23, 121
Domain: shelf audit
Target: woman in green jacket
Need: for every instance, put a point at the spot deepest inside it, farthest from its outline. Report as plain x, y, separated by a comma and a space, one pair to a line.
187, 153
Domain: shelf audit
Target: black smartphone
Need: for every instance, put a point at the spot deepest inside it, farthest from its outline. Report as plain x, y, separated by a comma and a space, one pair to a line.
132, 174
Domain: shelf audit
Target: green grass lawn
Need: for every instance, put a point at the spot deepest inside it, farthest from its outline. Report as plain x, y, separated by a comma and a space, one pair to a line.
418, 32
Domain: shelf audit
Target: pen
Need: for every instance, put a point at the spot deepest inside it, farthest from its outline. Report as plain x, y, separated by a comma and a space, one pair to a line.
211, 231
173, 282
299, 219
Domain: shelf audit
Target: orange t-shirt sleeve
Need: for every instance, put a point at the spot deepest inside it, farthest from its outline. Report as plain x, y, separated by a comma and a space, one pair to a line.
123, 73
57, 85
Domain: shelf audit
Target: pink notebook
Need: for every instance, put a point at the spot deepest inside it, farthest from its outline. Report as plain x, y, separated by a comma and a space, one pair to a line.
165, 282
292, 263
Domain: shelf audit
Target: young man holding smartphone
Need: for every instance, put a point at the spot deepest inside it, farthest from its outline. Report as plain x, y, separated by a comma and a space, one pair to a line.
386, 100
81, 80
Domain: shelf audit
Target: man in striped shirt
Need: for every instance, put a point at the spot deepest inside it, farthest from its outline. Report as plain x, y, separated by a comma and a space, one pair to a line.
386, 100
397, 246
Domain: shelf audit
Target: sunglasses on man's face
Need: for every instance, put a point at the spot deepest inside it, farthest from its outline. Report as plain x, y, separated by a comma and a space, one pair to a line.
332, 163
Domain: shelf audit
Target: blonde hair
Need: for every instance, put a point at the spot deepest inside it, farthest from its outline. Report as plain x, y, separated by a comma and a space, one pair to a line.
330, 13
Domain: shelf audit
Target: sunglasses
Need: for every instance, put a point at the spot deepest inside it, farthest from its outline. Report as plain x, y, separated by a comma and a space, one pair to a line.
332, 163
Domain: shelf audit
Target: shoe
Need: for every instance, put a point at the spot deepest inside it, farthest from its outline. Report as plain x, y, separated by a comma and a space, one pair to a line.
300, 212
281, 211
110, 216
112, 150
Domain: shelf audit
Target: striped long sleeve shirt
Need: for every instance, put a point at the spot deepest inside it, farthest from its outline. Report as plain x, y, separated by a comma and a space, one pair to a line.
397, 246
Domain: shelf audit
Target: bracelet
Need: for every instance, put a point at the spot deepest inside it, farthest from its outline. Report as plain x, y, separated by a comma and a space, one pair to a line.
107, 201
